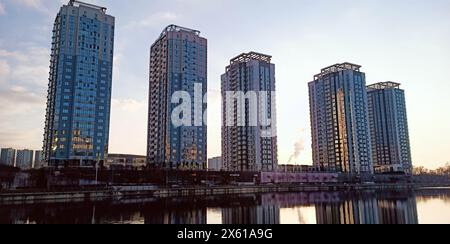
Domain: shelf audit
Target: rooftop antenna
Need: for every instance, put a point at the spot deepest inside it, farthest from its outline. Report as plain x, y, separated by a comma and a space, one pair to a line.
74, 2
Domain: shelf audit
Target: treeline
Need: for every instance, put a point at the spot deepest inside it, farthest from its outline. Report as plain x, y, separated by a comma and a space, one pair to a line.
442, 171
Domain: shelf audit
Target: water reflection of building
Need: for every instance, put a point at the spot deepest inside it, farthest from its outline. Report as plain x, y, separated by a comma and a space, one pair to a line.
177, 216
251, 215
398, 212
368, 211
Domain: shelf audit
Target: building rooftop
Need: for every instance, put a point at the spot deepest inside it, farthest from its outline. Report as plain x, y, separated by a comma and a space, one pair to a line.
384, 85
76, 3
245, 57
176, 28
337, 68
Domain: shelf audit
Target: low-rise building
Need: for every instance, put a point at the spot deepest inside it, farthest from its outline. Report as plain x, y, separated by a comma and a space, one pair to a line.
297, 168
215, 164
125, 161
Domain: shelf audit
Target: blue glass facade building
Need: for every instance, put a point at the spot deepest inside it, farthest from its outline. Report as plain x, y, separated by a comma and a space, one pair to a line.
178, 63
80, 83
339, 120
388, 121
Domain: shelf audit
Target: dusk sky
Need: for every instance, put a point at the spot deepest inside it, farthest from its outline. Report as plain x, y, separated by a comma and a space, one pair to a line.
405, 41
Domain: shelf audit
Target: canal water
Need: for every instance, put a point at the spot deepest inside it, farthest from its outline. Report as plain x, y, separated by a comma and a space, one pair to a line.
428, 206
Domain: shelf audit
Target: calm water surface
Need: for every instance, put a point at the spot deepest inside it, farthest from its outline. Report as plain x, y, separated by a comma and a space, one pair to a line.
423, 207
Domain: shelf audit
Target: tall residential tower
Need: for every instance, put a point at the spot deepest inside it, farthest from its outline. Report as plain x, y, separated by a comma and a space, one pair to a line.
80, 83
339, 120
178, 75
389, 128
249, 140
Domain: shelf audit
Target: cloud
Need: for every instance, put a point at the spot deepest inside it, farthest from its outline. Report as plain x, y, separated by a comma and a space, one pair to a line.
154, 20
128, 133
128, 105
5, 70
2, 9
19, 99
30, 66
37, 4
23, 77
22, 113
33, 4
13, 54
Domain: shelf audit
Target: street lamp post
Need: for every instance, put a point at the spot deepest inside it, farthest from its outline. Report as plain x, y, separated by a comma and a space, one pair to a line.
96, 169
86, 140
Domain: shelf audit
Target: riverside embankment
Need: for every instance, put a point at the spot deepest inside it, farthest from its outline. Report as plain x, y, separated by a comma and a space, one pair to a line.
136, 192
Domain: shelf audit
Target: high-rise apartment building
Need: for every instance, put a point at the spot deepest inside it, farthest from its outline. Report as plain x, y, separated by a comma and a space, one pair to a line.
80, 83
177, 134
339, 120
249, 140
8, 157
389, 128
24, 159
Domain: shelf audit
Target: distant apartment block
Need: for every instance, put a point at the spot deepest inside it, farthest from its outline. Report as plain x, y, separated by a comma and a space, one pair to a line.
38, 160
178, 63
215, 164
80, 83
8, 157
24, 159
249, 140
339, 120
391, 151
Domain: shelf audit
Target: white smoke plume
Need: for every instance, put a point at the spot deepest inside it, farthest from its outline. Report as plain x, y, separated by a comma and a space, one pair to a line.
299, 147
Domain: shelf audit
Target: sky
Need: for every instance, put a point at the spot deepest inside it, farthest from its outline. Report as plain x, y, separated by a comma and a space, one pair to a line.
406, 41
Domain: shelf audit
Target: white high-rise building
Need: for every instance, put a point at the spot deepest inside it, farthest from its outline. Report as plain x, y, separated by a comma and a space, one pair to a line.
249, 139
391, 150
339, 120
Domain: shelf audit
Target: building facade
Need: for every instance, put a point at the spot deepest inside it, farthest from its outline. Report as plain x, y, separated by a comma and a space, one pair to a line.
215, 164
391, 151
249, 140
24, 159
80, 83
339, 120
178, 65
8, 157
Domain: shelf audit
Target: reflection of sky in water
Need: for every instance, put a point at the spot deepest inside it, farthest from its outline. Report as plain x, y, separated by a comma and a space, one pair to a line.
214, 216
430, 210
434, 210
298, 215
